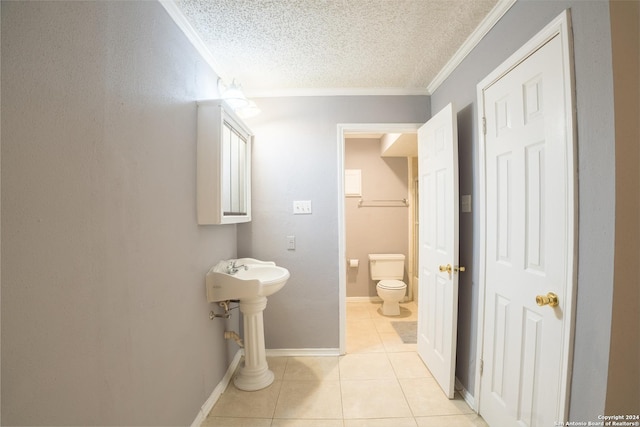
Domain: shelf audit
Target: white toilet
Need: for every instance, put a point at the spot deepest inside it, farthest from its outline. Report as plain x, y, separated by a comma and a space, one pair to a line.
389, 270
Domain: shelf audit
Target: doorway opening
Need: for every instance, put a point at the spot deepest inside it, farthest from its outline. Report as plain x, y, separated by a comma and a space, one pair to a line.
373, 130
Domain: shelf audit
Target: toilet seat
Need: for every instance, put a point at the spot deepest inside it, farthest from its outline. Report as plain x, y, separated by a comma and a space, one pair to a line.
392, 284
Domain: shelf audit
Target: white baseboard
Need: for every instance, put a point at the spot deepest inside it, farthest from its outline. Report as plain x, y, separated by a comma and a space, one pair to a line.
217, 392
466, 395
373, 299
289, 352
364, 299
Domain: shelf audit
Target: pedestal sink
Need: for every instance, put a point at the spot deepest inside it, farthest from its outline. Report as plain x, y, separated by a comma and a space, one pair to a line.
250, 281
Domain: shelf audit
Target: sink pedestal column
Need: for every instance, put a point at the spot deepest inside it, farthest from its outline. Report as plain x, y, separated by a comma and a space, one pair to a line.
254, 373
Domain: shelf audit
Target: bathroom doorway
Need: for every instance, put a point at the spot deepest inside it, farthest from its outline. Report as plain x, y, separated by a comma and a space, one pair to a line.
407, 201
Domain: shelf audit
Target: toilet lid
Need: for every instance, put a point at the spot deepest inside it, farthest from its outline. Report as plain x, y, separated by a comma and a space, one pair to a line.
392, 284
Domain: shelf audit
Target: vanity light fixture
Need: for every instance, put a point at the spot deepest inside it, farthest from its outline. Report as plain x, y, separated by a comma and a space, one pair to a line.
236, 99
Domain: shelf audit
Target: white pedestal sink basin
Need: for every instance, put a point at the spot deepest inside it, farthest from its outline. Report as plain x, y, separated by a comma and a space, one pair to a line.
250, 281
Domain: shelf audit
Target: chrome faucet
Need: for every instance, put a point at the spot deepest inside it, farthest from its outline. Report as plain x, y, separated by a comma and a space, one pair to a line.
232, 268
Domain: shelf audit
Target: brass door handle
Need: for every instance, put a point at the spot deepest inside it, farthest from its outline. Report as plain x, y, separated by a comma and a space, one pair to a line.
446, 268
550, 299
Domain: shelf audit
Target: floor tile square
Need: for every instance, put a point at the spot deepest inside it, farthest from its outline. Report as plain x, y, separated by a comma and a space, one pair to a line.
277, 365
408, 365
381, 422
312, 368
426, 398
366, 342
468, 420
366, 367
236, 422
309, 399
383, 325
277, 422
358, 310
373, 399
361, 326
375, 308
393, 343
251, 404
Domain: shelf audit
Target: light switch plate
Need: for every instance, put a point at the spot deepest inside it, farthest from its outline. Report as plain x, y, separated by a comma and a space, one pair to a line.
291, 243
302, 207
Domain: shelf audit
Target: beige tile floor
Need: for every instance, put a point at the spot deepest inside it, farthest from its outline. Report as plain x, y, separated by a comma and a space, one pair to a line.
380, 382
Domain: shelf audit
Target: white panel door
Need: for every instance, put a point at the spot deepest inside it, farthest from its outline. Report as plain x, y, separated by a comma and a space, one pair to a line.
528, 209
438, 253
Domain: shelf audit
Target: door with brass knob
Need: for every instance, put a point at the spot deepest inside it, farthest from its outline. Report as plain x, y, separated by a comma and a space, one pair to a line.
527, 234
550, 299
446, 268
439, 246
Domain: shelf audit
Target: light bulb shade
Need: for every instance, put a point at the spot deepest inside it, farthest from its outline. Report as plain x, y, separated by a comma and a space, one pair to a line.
251, 110
235, 97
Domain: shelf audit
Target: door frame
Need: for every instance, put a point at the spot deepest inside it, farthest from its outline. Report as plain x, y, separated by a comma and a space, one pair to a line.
560, 26
342, 129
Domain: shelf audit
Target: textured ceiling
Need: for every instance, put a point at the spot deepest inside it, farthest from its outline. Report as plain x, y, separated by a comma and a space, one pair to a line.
373, 46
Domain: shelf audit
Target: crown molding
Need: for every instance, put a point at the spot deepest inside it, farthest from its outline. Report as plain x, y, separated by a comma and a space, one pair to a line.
181, 21
348, 91
471, 42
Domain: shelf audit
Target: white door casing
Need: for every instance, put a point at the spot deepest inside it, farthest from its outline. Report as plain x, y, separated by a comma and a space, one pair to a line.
527, 184
438, 240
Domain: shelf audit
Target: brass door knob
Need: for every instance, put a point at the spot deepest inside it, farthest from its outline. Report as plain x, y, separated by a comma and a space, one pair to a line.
550, 299
446, 268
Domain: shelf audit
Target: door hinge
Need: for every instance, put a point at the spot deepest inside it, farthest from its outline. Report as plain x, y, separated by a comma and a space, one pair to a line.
484, 125
481, 366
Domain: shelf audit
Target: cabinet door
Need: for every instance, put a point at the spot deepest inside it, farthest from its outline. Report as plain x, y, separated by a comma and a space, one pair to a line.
223, 166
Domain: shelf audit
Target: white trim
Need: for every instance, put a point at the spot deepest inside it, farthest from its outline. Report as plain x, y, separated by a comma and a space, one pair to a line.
303, 352
470, 43
364, 299
342, 129
466, 395
481, 247
374, 300
183, 23
345, 91
560, 26
217, 391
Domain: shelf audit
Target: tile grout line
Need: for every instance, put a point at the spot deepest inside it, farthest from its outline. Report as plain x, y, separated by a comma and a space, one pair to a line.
284, 371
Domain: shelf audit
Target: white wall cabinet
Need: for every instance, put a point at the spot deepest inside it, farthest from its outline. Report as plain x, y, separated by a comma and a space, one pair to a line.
223, 165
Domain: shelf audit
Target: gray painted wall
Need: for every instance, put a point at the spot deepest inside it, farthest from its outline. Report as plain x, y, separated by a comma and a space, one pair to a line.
592, 42
295, 156
104, 315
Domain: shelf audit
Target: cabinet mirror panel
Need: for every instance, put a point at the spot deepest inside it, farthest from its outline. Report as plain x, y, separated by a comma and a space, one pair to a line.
224, 165
234, 194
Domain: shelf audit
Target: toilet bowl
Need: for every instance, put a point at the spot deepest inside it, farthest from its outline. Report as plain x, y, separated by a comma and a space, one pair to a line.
388, 269
391, 293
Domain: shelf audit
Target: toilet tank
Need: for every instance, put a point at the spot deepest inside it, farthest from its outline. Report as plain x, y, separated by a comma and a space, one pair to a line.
386, 266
